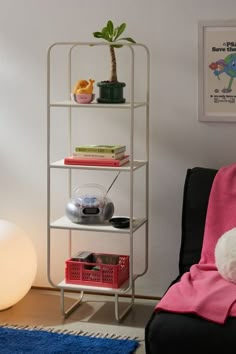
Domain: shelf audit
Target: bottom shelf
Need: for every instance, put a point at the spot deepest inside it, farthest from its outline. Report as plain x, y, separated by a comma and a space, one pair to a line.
123, 289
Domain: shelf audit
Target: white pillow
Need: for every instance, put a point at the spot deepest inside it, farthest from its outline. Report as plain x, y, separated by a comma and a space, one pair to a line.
225, 255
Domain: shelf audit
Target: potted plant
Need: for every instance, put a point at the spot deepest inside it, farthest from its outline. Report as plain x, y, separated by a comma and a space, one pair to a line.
111, 91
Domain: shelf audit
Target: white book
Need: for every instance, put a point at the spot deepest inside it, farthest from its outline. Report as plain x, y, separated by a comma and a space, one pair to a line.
98, 155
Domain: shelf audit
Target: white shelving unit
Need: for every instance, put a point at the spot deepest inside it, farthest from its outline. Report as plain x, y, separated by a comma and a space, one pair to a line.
63, 223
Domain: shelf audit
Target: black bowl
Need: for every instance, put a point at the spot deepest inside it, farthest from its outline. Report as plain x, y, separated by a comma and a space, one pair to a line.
119, 222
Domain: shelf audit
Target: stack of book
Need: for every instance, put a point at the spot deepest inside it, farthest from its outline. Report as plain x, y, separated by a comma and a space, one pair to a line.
98, 155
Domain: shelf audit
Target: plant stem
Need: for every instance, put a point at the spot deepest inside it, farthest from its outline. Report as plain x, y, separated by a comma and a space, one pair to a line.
113, 76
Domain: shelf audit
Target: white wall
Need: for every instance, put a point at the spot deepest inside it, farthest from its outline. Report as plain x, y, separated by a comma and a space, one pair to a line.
178, 139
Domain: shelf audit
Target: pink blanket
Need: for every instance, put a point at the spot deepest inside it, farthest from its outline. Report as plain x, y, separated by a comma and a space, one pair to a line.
202, 290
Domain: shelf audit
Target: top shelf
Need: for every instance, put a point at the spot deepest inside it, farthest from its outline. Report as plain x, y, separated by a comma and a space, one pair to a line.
70, 103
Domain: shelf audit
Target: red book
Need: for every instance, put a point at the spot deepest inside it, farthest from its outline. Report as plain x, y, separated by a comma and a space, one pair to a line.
90, 161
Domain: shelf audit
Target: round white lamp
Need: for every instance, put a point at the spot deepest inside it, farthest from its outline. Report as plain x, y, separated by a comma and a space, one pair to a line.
18, 264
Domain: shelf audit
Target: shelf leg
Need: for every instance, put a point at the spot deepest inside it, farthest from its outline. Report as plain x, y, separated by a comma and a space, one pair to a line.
118, 316
73, 307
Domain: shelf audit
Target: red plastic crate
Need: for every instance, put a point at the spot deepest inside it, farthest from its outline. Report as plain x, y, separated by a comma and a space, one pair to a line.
108, 275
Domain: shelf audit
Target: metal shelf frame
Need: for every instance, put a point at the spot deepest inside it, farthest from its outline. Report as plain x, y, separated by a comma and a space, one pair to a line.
131, 167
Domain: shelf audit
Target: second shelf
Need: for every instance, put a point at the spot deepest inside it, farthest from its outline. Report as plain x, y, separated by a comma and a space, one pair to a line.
136, 164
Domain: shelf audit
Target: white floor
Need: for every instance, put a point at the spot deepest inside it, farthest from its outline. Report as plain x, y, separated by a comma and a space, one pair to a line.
96, 314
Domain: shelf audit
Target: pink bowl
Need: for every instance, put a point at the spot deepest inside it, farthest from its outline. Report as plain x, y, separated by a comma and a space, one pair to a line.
83, 97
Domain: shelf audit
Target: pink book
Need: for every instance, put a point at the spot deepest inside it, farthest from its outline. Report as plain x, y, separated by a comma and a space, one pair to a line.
91, 161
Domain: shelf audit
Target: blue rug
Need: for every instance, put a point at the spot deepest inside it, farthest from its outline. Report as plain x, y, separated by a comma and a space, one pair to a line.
41, 341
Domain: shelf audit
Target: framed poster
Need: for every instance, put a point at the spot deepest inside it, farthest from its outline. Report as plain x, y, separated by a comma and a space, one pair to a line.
217, 71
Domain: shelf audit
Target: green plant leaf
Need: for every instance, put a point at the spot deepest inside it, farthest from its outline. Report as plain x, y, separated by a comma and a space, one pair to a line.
127, 39
97, 34
115, 32
110, 28
120, 30
106, 34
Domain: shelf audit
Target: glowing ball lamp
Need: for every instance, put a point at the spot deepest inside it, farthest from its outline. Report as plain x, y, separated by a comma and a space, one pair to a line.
18, 264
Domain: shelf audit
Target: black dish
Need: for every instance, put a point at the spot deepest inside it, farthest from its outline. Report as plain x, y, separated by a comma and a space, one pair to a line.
119, 222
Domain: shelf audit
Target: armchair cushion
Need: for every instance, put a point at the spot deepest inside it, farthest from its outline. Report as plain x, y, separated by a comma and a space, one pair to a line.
197, 187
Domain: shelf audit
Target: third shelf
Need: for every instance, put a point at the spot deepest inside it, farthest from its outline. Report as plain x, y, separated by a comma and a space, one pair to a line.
66, 224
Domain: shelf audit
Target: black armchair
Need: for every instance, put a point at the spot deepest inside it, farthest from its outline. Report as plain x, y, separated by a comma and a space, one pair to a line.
170, 333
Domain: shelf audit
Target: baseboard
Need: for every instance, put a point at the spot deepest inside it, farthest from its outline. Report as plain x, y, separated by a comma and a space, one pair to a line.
144, 297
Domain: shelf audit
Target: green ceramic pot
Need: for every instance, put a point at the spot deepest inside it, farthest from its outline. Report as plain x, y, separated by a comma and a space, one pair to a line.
111, 92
